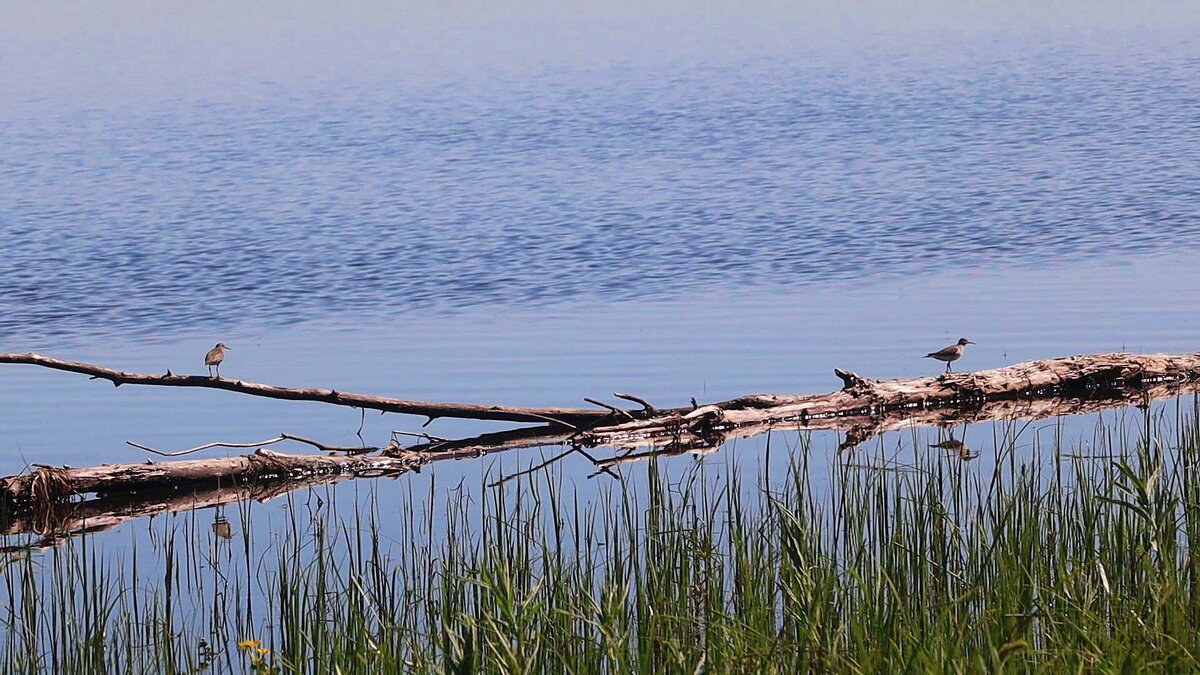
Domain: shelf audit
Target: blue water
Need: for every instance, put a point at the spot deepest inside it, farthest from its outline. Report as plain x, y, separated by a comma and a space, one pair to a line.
381, 200
535, 233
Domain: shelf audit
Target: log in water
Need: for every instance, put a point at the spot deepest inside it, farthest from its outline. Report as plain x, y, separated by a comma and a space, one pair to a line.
862, 408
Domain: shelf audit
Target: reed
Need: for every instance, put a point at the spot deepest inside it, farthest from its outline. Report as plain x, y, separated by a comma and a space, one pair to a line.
1057, 555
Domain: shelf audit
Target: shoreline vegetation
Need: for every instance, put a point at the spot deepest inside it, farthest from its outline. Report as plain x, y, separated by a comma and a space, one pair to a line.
1058, 555
1051, 555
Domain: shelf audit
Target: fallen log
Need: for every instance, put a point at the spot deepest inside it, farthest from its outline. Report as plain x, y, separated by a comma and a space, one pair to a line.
862, 409
50, 484
859, 429
1096, 376
1033, 378
55, 521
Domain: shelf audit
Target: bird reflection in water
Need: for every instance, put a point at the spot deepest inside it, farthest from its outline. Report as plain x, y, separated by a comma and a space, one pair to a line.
959, 448
221, 526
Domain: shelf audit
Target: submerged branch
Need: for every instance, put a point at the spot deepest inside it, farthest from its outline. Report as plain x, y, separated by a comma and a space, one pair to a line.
348, 449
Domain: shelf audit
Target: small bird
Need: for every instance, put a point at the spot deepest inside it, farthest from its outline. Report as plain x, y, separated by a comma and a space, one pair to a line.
950, 354
214, 357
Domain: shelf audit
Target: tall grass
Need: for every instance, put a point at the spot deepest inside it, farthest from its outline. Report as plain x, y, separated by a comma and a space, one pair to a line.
1054, 556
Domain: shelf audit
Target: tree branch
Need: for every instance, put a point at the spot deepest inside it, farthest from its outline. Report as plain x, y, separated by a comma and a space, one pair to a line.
570, 417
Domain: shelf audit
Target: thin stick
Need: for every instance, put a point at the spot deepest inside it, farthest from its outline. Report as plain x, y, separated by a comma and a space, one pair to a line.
552, 420
349, 449
259, 444
432, 439
539, 467
650, 410
597, 463
215, 444
614, 409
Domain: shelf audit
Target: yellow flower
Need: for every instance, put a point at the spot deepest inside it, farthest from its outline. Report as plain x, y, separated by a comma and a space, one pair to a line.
264, 651
248, 644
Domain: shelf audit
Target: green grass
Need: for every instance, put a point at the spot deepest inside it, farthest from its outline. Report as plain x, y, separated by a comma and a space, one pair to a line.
1060, 558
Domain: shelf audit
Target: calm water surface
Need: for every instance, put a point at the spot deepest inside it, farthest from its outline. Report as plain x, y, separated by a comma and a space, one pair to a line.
705, 229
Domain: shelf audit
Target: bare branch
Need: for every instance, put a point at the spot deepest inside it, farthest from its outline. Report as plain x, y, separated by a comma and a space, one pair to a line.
206, 446
649, 409
348, 449
258, 444
532, 469
433, 439
612, 408
564, 416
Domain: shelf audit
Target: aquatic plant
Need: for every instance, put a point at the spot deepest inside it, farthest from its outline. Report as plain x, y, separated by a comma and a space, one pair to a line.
1045, 553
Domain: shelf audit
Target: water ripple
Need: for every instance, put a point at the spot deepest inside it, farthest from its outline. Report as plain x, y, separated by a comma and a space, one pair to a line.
607, 186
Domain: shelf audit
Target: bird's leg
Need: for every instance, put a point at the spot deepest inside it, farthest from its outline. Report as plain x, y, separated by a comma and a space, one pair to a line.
219, 371
948, 368
210, 371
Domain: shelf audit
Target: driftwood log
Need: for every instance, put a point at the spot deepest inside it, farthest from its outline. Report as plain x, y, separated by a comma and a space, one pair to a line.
862, 408
865, 407
55, 521
48, 484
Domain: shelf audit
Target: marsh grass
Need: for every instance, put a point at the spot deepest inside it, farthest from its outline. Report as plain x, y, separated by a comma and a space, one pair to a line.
1044, 555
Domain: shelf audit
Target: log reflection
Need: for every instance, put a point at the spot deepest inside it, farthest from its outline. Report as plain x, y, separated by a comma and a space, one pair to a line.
51, 519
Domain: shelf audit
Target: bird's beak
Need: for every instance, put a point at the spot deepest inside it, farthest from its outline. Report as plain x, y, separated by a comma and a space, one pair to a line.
971, 343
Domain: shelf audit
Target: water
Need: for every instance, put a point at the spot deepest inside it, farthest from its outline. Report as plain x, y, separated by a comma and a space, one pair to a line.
536, 233
380, 201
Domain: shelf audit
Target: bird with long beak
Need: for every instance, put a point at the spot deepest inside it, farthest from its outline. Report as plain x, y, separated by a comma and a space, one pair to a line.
214, 357
950, 354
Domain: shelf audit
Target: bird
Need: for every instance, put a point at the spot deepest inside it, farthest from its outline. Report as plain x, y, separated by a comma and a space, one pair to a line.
214, 357
950, 354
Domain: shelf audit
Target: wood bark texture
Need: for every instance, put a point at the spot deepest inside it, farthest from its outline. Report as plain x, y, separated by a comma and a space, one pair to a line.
864, 403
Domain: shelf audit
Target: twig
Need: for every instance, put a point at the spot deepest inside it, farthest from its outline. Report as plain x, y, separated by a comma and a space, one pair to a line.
432, 439
259, 444
530, 470
650, 410
216, 444
350, 450
612, 408
552, 420
597, 463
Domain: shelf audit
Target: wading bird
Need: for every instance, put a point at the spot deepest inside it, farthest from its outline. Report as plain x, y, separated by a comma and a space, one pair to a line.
214, 357
950, 354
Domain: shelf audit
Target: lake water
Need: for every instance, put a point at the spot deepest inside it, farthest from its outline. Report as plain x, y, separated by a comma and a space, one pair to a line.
537, 233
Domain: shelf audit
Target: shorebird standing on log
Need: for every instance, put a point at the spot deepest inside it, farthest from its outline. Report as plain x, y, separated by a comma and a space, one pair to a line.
950, 354
214, 357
